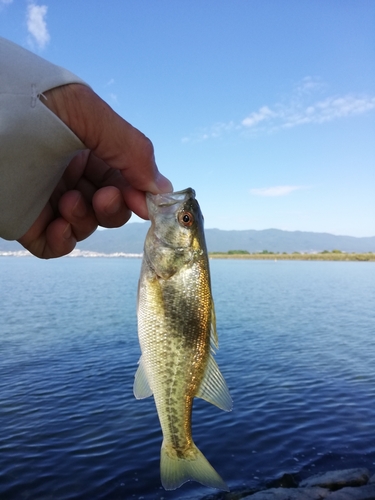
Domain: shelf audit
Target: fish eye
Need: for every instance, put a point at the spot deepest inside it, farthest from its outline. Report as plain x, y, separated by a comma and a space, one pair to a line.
186, 219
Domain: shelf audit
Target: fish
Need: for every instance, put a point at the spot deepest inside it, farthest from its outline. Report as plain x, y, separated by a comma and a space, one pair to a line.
177, 334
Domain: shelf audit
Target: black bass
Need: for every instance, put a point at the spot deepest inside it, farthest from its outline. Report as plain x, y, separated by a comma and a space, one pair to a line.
177, 334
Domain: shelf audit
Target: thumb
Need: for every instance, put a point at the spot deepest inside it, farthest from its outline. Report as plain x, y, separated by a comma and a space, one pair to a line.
115, 141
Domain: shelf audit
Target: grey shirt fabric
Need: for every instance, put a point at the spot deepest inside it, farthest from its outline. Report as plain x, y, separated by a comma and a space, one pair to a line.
35, 145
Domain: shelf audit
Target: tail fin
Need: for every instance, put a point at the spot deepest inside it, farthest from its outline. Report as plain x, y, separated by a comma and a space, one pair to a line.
175, 471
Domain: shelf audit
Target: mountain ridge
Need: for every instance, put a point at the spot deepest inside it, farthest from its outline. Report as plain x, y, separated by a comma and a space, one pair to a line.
130, 239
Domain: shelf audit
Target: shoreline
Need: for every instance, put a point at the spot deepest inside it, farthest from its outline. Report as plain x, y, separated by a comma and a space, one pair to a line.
324, 256
329, 256
343, 484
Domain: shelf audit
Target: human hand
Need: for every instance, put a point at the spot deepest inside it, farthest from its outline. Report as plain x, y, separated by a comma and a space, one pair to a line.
102, 185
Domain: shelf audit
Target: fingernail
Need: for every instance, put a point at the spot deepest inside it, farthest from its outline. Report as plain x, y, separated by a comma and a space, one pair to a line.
163, 184
67, 232
113, 206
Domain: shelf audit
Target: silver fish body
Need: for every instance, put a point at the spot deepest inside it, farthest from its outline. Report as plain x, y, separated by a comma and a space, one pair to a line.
177, 330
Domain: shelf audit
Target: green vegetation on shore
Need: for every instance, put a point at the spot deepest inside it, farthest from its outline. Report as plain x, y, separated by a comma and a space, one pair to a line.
266, 255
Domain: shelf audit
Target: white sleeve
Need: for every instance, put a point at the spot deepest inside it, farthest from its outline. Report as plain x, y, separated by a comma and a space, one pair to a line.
35, 145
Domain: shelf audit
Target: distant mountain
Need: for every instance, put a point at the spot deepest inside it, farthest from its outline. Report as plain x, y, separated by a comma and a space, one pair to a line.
275, 240
130, 239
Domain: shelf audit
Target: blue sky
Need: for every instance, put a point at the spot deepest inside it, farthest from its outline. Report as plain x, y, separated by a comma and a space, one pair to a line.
265, 107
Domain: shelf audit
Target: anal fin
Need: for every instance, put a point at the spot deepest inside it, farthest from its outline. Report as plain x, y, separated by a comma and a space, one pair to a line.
214, 388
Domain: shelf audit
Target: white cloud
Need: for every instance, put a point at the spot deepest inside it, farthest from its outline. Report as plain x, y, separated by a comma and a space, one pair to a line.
36, 25
216, 131
301, 112
110, 82
305, 105
308, 85
256, 117
275, 190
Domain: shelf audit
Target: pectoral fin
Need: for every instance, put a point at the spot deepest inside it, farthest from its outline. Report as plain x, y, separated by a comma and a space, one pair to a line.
214, 388
141, 387
214, 337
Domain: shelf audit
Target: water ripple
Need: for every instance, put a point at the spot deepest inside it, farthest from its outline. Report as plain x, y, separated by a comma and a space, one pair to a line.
297, 349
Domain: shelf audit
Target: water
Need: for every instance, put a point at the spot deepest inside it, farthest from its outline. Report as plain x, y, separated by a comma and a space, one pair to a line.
297, 348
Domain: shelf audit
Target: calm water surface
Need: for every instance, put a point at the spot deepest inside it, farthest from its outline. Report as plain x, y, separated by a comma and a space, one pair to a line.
297, 348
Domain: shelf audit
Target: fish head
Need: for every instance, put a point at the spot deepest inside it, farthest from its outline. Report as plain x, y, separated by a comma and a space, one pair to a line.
176, 235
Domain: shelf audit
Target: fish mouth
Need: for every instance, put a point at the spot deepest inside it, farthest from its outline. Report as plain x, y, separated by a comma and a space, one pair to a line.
168, 199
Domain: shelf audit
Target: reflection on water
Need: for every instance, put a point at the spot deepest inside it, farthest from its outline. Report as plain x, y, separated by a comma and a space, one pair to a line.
297, 349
